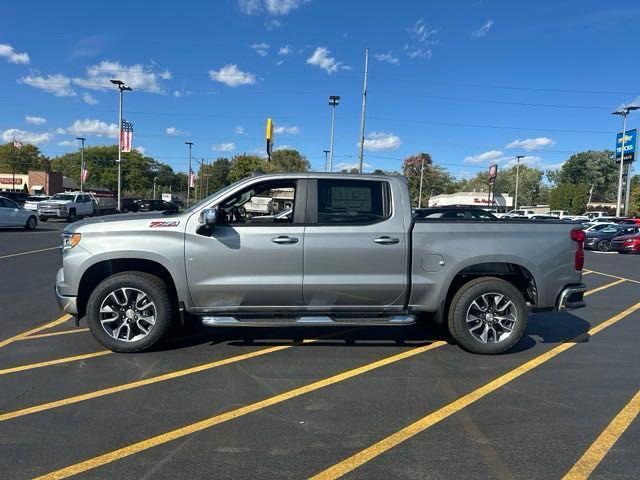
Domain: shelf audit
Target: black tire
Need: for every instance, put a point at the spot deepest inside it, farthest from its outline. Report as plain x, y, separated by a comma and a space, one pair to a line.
71, 216
44, 219
145, 282
32, 223
604, 245
461, 304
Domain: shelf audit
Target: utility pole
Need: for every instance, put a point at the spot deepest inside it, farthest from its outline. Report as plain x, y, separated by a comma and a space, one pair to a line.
190, 144
622, 112
421, 177
515, 201
364, 108
155, 179
122, 88
81, 163
334, 100
326, 159
627, 189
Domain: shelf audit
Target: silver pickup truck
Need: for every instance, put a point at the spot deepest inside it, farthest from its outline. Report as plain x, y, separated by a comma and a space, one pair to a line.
315, 249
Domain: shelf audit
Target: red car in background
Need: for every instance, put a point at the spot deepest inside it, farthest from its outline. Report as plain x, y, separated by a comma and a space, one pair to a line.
632, 220
626, 244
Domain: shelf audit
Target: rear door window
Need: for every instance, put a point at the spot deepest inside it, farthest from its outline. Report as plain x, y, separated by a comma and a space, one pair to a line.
353, 202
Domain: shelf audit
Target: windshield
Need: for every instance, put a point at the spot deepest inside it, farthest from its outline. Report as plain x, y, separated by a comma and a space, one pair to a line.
196, 206
62, 196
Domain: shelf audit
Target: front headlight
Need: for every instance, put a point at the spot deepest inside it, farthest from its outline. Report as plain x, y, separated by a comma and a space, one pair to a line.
70, 240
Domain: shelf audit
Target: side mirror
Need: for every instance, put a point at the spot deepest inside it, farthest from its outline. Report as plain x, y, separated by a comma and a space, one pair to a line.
209, 216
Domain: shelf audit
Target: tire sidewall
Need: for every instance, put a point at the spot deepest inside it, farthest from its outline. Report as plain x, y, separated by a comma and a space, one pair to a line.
460, 305
147, 283
606, 243
30, 226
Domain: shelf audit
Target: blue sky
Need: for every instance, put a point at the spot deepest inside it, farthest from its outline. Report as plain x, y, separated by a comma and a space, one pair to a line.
469, 82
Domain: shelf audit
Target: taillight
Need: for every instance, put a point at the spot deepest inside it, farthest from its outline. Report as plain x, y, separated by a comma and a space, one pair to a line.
578, 236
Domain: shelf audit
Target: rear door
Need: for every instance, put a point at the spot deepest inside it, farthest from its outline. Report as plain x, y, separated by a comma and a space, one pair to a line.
9, 213
355, 246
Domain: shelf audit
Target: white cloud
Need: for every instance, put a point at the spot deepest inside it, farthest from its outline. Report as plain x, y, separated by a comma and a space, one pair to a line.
286, 50
279, 62
284, 147
261, 49
351, 166
57, 84
422, 37
224, 147
174, 132
387, 57
138, 77
93, 127
321, 58
283, 129
417, 52
381, 141
529, 160
24, 136
239, 130
271, 7
67, 143
483, 30
181, 93
8, 52
33, 120
232, 76
531, 143
140, 149
166, 75
490, 156
89, 99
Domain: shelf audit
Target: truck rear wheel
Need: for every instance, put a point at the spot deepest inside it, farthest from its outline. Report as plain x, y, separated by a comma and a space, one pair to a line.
487, 316
129, 312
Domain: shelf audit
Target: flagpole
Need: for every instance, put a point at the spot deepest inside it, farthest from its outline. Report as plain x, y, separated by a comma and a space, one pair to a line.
13, 164
121, 87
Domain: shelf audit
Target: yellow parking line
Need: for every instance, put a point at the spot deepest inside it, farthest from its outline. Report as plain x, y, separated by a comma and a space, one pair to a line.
53, 334
615, 276
231, 415
57, 361
604, 287
395, 439
58, 321
605, 441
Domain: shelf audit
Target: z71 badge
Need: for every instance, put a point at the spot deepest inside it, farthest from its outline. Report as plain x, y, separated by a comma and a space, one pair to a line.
173, 223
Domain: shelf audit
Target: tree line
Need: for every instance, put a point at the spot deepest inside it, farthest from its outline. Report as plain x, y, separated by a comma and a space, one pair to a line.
589, 176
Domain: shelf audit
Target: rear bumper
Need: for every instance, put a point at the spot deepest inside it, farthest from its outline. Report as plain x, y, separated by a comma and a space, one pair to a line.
571, 296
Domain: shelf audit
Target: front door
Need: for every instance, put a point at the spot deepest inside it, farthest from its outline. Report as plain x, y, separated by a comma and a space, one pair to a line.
9, 213
252, 259
355, 247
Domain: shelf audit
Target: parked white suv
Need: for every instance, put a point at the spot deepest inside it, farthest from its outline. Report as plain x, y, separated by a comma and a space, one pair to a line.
69, 205
519, 213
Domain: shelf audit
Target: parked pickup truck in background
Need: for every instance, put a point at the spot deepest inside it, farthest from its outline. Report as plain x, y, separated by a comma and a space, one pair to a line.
346, 250
74, 205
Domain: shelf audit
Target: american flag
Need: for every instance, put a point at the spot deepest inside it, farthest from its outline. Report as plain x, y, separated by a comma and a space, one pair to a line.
17, 144
192, 179
85, 175
126, 136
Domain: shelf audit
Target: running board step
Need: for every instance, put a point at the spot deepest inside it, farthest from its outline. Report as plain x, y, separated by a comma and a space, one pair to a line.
229, 321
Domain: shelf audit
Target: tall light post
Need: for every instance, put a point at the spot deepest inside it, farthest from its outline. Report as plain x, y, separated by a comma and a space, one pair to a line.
334, 100
623, 112
189, 144
364, 109
122, 88
421, 177
326, 159
82, 139
515, 200
155, 179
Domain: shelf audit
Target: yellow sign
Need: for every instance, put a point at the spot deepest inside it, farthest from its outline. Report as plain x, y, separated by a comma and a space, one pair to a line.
269, 136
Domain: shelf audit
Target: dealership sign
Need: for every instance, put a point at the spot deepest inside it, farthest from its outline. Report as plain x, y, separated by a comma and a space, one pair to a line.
10, 180
630, 140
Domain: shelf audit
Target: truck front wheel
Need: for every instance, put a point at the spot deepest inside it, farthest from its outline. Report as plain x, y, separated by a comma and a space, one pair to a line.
487, 316
129, 312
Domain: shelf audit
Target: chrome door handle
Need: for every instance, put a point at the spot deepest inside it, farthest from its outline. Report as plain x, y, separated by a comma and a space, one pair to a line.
386, 240
283, 239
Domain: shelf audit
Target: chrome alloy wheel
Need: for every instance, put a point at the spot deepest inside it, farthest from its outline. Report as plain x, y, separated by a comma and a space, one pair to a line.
491, 317
127, 314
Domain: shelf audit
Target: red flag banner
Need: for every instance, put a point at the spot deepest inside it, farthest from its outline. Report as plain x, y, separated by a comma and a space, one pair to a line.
85, 175
126, 136
192, 179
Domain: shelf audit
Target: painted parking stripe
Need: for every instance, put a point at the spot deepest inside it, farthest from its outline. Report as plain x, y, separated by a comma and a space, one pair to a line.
231, 415
57, 361
54, 334
59, 321
615, 276
604, 287
29, 252
351, 463
605, 441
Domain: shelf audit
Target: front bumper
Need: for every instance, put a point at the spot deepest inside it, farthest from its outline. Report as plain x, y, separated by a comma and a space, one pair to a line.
51, 212
68, 304
571, 296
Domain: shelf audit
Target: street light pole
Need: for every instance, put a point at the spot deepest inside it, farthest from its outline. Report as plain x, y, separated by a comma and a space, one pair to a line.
623, 112
190, 144
364, 108
81, 163
518, 157
334, 100
122, 88
155, 179
326, 159
421, 177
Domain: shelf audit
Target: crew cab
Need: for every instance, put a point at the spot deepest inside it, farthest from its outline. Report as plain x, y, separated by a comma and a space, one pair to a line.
332, 249
70, 205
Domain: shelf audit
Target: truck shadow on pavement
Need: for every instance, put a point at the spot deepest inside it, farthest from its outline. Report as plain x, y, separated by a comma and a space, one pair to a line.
549, 328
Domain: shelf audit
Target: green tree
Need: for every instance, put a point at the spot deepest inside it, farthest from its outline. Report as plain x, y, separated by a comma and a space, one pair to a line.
592, 168
26, 158
288, 160
436, 180
572, 198
244, 165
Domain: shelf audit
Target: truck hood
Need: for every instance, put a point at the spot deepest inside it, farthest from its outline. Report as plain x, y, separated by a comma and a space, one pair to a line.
129, 222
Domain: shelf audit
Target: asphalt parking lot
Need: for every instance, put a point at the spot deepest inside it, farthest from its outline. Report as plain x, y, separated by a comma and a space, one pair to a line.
366, 403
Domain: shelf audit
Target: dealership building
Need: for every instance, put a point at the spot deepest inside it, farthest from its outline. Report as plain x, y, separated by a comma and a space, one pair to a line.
501, 201
34, 182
